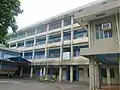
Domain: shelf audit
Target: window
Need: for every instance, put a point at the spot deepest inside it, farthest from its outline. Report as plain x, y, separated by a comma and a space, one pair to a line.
13, 45
40, 41
54, 53
42, 28
13, 37
55, 24
29, 43
28, 55
54, 38
67, 21
67, 35
20, 44
112, 73
101, 34
80, 33
39, 54
21, 35
104, 72
29, 33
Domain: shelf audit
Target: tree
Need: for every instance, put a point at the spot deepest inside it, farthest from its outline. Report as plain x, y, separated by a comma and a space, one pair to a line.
9, 10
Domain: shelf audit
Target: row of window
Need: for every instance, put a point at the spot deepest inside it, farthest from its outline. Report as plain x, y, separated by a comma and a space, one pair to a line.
42, 28
53, 38
53, 53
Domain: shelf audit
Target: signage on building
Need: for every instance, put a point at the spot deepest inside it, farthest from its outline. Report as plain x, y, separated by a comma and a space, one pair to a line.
66, 55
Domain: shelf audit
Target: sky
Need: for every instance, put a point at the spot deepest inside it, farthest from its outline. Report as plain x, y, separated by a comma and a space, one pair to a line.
38, 10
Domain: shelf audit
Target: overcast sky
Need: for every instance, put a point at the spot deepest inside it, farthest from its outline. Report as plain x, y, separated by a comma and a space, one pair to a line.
37, 10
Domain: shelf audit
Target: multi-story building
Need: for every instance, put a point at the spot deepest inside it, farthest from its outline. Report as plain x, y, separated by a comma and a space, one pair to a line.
56, 44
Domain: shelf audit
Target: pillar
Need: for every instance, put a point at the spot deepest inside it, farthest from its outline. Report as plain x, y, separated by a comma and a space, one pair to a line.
108, 76
44, 71
77, 74
67, 72
21, 71
71, 73
97, 75
31, 72
51, 72
119, 66
91, 74
60, 73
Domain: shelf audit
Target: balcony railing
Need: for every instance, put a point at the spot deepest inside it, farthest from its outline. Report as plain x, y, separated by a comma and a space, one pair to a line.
30, 45
54, 40
39, 56
80, 35
54, 56
67, 38
28, 57
40, 43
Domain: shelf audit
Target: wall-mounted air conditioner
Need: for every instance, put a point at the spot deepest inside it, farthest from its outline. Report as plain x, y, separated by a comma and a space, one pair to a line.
106, 26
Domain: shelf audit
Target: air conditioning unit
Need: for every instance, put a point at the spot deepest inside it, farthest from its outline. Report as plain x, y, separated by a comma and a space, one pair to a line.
106, 26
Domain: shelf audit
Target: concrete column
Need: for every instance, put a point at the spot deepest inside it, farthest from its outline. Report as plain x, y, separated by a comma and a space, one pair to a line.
108, 76
71, 73
67, 70
31, 72
33, 54
72, 21
60, 73
51, 72
119, 67
77, 73
21, 71
23, 54
97, 75
44, 71
92, 74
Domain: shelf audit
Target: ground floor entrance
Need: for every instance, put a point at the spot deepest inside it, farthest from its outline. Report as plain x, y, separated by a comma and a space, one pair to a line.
80, 73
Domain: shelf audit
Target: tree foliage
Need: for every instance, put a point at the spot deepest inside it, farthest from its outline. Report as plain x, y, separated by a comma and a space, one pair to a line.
9, 10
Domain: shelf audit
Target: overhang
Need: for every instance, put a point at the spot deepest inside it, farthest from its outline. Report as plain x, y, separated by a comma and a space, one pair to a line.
97, 10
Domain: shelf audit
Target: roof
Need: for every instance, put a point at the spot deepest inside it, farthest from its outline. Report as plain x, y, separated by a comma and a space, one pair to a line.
62, 15
8, 49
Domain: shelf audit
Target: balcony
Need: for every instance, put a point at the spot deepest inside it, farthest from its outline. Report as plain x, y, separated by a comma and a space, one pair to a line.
42, 29
30, 45
39, 54
40, 43
28, 55
54, 53
80, 36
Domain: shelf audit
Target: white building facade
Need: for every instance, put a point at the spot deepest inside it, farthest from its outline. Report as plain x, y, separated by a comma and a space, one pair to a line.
58, 45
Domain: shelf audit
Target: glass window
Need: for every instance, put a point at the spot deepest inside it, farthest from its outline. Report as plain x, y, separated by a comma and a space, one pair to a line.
29, 33
67, 21
104, 72
80, 33
100, 33
39, 54
28, 55
55, 24
21, 35
13, 45
112, 73
67, 35
29, 43
42, 28
54, 53
20, 44
40, 41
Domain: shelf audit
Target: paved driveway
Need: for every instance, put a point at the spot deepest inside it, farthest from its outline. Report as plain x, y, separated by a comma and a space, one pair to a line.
6, 84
